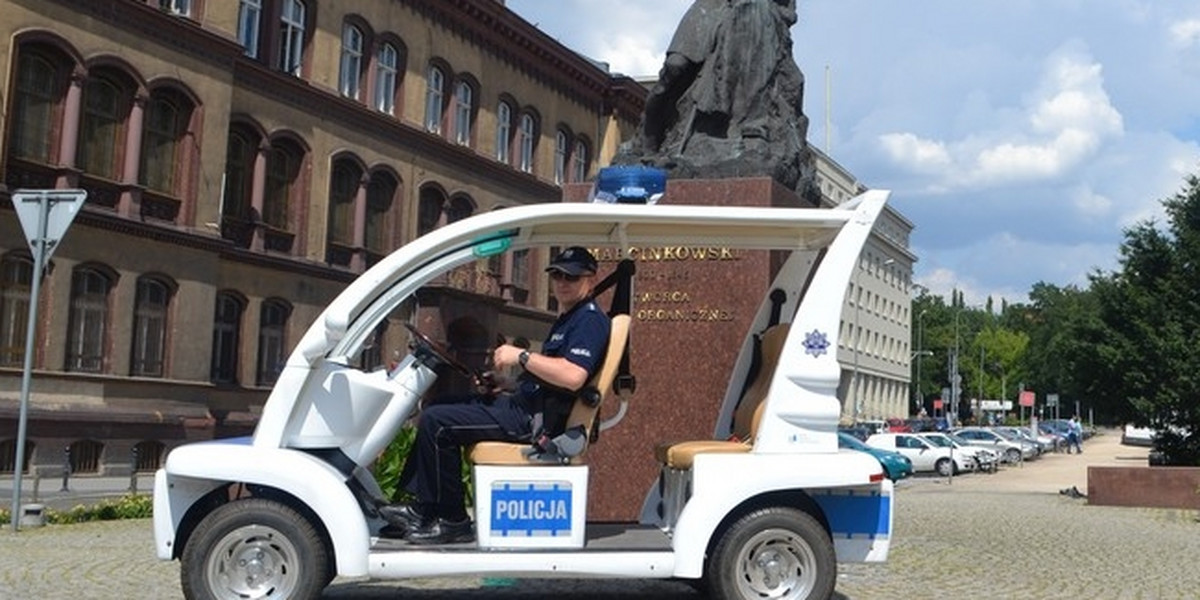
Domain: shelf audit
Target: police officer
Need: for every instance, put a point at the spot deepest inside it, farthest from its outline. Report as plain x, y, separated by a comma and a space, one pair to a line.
571, 354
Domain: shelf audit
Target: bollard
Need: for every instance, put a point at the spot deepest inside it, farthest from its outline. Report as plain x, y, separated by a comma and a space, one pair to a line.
66, 468
33, 515
37, 482
133, 469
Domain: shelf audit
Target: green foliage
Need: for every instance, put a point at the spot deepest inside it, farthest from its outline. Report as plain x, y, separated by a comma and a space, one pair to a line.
390, 465
131, 506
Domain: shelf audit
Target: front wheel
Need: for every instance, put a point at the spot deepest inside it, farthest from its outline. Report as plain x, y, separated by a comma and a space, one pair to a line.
774, 552
944, 467
254, 548
1013, 454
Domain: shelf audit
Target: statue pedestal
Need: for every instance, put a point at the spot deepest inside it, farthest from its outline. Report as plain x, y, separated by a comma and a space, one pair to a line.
692, 308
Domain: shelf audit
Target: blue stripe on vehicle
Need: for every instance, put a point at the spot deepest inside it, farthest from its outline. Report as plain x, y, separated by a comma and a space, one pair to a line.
851, 514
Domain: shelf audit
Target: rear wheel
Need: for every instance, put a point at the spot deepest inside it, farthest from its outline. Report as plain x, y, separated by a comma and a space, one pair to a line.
944, 467
775, 552
254, 548
1013, 455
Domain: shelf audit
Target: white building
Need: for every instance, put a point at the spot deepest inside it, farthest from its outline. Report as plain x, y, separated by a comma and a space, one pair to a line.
874, 344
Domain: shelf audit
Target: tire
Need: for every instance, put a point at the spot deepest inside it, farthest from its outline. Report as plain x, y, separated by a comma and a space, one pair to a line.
1012, 455
944, 467
254, 548
774, 552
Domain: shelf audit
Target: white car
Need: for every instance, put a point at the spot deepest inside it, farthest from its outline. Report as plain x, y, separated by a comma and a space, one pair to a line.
985, 459
765, 513
925, 455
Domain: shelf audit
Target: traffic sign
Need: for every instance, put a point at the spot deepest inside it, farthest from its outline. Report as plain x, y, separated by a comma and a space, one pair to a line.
1051, 399
46, 214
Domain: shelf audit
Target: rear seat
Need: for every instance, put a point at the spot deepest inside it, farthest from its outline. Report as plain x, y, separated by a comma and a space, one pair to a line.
680, 455
517, 454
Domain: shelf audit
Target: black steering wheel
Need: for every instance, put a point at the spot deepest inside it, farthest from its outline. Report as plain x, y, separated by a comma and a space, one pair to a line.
425, 345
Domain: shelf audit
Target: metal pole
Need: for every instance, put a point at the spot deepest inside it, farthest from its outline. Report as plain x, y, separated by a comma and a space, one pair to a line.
27, 370
920, 344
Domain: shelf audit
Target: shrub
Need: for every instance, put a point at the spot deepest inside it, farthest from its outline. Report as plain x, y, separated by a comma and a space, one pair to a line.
130, 506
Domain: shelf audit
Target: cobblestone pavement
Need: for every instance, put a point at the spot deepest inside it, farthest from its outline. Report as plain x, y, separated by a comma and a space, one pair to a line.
1008, 535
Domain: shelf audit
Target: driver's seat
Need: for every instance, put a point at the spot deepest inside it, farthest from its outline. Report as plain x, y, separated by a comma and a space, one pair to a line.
517, 454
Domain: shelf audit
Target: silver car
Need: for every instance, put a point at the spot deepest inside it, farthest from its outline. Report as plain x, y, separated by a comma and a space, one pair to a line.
1010, 451
985, 458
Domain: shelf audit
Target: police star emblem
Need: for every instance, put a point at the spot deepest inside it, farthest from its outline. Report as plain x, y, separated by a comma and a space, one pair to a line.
815, 343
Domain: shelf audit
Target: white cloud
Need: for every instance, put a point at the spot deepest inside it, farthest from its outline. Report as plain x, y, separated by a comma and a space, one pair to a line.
917, 154
1185, 33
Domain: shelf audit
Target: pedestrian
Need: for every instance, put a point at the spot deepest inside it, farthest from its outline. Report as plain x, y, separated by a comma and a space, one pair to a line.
1074, 435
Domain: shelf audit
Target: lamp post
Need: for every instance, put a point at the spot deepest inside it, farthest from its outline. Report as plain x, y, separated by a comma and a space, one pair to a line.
918, 398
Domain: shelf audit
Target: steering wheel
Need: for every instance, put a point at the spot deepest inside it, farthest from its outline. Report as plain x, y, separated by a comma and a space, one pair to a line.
440, 352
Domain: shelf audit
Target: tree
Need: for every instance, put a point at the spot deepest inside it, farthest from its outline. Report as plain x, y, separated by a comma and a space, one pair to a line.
1144, 358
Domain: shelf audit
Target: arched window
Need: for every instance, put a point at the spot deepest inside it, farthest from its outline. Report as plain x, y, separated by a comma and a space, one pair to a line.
106, 105
241, 150
87, 331
579, 162
352, 61
429, 209
272, 340
433, 99
16, 281
8, 456
227, 327
503, 132
463, 109
387, 68
460, 208
166, 124
526, 141
40, 86
381, 194
561, 148
291, 36
150, 313
85, 456
283, 171
148, 455
343, 189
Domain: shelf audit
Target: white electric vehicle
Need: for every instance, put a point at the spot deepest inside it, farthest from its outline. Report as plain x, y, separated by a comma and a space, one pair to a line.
767, 508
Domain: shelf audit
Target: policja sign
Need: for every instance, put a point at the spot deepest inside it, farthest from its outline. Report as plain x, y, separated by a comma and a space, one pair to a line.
45, 216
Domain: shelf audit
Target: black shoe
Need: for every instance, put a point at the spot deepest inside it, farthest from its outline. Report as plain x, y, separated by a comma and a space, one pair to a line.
441, 531
403, 517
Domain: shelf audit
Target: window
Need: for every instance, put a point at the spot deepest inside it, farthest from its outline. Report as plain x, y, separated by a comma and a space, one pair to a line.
85, 456
560, 157
579, 162
520, 269
460, 208
380, 194
8, 456
387, 68
463, 108
182, 8
525, 139
150, 327
166, 124
16, 281
105, 107
249, 18
343, 188
429, 210
40, 85
87, 332
352, 56
240, 153
283, 169
503, 132
148, 456
272, 340
433, 100
291, 37
227, 325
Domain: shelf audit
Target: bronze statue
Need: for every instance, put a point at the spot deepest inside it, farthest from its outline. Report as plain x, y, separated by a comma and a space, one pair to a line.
728, 101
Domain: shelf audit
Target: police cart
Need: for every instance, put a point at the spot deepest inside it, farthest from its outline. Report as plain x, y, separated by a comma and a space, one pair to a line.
764, 509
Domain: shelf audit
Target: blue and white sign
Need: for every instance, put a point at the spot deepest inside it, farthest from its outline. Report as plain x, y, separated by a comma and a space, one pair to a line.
531, 509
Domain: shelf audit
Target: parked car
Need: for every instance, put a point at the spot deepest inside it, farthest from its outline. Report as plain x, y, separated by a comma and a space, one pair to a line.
1014, 434
896, 465
924, 455
897, 425
1044, 443
1137, 436
985, 459
1010, 451
857, 432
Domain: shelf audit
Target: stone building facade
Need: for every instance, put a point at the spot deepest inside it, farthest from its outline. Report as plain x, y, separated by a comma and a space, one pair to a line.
244, 160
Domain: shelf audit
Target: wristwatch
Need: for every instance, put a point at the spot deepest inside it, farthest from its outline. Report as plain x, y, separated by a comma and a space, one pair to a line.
523, 358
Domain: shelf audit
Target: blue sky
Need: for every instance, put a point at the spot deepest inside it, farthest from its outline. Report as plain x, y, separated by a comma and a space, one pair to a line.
1021, 137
